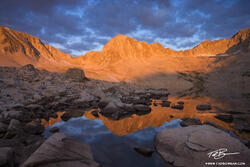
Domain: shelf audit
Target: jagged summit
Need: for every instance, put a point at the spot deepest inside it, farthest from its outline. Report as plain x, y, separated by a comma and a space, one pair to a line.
243, 34
122, 57
126, 40
118, 41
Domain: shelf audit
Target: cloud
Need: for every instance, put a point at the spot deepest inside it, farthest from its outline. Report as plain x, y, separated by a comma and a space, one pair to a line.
176, 24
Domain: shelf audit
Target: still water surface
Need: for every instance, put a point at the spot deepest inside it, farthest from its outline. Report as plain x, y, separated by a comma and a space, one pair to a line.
112, 142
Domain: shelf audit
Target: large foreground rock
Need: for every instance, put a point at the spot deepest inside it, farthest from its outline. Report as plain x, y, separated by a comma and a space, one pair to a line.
59, 150
191, 146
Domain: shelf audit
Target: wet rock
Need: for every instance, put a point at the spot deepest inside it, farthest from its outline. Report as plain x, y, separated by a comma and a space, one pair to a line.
147, 152
192, 145
190, 121
142, 109
66, 116
180, 102
225, 118
95, 113
53, 115
118, 110
75, 74
69, 114
59, 150
164, 98
112, 107
155, 104
203, 107
177, 106
34, 128
6, 157
54, 129
165, 104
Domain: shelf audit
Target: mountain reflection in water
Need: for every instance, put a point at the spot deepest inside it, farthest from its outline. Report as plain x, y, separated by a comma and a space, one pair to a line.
112, 150
112, 141
158, 116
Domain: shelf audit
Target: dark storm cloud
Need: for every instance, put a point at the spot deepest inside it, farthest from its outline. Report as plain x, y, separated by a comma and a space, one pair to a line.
78, 26
31, 16
121, 17
218, 18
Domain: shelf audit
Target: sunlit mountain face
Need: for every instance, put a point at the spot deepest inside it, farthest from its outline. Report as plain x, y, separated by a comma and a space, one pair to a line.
160, 83
77, 27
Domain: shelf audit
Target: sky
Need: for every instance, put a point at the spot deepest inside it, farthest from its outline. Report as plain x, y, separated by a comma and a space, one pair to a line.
78, 26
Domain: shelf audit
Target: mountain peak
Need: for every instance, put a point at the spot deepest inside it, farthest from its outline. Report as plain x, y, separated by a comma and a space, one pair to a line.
122, 53
119, 42
242, 35
121, 37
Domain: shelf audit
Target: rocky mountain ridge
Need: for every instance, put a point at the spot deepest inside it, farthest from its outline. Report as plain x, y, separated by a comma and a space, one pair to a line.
122, 58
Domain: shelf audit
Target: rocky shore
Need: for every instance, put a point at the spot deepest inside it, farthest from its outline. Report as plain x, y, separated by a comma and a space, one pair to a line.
28, 95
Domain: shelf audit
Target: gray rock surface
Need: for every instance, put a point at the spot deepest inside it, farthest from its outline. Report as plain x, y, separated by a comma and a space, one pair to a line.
190, 121
177, 106
54, 129
6, 157
192, 145
3, 127
75, 74
28, 95
165, 103
203, 107
142, 108
225, 117
116, 109
34, 128
13, 128
59, 150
